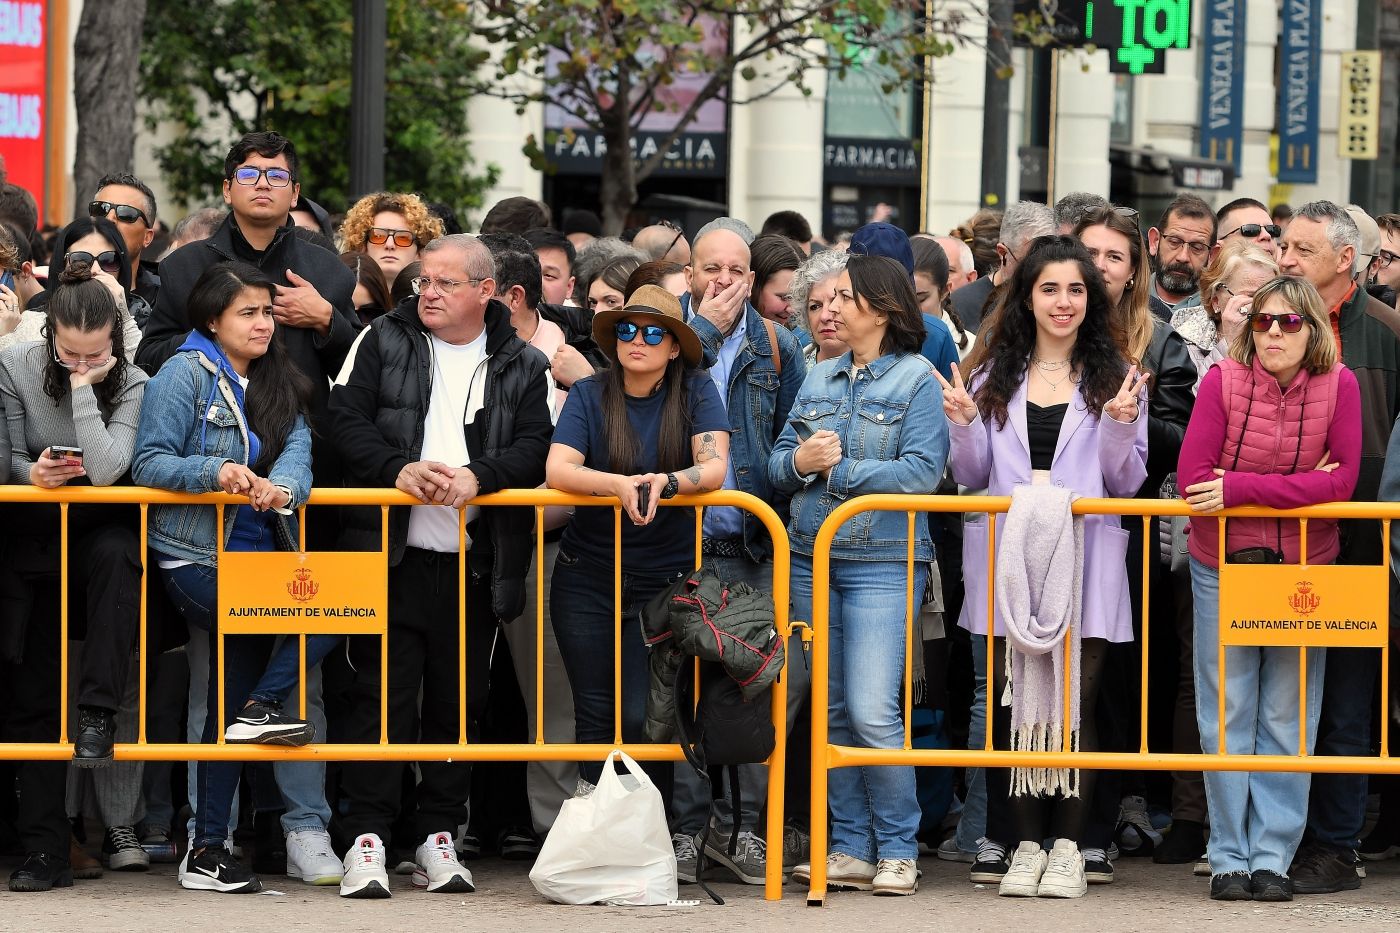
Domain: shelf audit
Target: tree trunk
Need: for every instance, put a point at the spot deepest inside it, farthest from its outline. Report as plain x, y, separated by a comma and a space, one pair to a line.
617, 188
106, 59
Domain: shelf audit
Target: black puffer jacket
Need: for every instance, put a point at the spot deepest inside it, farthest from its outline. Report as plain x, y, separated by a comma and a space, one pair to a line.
704, 617
577, 325
377, 415
1170, 400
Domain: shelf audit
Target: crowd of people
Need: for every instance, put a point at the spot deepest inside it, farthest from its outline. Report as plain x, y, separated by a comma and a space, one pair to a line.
1227, 357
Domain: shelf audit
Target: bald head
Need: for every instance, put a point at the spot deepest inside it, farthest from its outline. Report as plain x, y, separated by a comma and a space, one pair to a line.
719, 256
661, 242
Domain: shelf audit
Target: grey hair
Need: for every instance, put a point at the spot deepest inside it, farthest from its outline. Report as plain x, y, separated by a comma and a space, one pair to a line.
733, 224
1024, 221
966, 262
1077, 205
1341, 229
480, 263
822, 265
592, 258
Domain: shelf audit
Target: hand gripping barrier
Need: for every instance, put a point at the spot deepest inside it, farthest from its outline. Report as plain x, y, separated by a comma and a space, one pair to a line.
372, 571
1270, 604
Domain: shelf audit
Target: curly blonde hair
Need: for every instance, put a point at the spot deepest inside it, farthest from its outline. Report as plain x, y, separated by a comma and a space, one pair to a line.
354, 232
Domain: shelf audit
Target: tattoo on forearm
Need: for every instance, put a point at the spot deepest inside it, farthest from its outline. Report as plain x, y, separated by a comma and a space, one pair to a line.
692, 474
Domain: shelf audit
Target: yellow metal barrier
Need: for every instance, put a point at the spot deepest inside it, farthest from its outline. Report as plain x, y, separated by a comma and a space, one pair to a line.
826, 756
538, 499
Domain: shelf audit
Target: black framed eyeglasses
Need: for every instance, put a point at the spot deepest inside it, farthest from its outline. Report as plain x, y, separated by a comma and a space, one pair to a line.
381, 235
126, 213
1384, 258
671, 225
652, 334
105, 260
1250, 231
1175, 242
276, 177
1290, 322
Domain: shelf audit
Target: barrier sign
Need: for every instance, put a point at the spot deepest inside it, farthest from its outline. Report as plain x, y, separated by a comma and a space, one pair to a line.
316, 593
1321, 606
1359, 135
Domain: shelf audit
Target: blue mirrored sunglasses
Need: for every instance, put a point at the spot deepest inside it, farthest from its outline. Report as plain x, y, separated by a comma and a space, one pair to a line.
652, 334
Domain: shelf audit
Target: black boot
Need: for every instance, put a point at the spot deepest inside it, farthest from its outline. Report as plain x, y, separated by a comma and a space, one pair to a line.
96, 730
40, 872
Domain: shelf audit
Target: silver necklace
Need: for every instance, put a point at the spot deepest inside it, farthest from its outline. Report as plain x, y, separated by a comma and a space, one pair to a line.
1055, 383
1049, 366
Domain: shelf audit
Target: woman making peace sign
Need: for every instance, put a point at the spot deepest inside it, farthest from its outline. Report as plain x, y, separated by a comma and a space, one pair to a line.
1052, 399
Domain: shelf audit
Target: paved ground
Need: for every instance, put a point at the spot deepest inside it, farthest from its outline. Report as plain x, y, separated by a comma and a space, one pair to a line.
1145, 897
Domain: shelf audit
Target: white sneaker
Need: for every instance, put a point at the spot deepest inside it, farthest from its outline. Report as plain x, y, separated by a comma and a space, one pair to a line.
438, 869
1022, 879
363, 875
896, 876
1064, 872
311, 858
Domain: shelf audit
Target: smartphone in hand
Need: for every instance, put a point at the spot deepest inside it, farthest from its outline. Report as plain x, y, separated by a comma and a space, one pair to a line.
643, 498
803, 429
72, 454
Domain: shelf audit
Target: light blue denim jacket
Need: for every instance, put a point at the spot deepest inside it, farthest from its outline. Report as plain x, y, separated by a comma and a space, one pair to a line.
894, 439
184, 439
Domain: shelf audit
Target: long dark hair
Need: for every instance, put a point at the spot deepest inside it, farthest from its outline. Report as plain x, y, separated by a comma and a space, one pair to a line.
884, 285
277, 391
931, 259
1009, 338
81, 302
368, 274
673, 452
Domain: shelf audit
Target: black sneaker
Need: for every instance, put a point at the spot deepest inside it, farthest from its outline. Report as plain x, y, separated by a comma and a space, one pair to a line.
41, 872
122, 851
991, 864
1322, 870
261, 723
1097, 868
92, 748
1185, 843
214, 868
1231, 886
1270, 886
518, 844
469, 846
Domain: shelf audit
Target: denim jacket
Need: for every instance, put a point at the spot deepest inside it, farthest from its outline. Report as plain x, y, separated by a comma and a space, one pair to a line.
894, 439
181, 444
758, 400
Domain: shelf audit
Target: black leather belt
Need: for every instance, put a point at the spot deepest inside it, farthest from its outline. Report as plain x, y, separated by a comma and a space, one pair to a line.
723, 547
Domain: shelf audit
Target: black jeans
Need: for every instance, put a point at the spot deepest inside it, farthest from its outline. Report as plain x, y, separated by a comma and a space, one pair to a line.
422, 645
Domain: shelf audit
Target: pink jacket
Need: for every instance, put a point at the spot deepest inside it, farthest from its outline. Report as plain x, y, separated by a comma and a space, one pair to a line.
1268, 440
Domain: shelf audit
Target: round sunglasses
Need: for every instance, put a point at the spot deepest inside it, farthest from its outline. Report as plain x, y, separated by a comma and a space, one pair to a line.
1289, 323
652, 334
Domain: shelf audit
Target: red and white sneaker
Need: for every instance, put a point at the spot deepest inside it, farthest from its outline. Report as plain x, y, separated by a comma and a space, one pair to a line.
365, 876
438, 869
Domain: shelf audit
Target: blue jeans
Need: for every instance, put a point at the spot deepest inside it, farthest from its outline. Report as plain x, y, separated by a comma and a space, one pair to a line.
302, 784
973, 823
692, 795
581, 609
875, 810
249, 675
1256, 818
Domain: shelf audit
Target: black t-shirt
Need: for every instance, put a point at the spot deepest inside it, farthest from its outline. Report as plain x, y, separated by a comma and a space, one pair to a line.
1043, 432
668, 543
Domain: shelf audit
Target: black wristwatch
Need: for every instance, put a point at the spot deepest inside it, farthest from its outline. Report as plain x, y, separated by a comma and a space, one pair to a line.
672, 484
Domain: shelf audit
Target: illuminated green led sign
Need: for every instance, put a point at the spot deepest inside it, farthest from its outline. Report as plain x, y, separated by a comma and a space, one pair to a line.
1136, 33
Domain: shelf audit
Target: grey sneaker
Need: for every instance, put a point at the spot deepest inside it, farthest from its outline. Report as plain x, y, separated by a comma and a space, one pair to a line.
797, 847
687, 857
749, 860
948, 851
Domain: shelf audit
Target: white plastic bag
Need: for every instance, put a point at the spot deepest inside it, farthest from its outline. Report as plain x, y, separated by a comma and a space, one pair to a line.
611, 847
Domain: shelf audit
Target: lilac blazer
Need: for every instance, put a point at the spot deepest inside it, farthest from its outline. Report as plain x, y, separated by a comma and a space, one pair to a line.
1095, 457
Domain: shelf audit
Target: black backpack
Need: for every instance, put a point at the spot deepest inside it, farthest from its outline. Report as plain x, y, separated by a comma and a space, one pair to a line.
723, 732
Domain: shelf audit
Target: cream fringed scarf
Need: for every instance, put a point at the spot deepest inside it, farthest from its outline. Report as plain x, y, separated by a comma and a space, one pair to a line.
1039, 589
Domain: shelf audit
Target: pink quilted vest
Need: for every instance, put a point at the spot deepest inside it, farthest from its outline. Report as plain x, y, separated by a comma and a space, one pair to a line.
1274, 430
